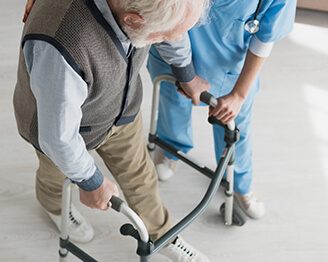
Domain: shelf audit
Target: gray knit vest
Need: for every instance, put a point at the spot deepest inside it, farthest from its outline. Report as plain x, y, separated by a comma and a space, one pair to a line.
87, 42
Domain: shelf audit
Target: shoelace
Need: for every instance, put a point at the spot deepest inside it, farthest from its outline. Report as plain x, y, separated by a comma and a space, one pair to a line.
73, 219
184, 249
249, 197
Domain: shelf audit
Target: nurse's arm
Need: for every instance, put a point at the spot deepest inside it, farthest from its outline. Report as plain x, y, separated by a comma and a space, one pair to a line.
252, 66
256, 55
229, 105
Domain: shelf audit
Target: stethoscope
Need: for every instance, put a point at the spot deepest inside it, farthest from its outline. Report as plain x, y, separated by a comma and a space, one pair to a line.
253, 26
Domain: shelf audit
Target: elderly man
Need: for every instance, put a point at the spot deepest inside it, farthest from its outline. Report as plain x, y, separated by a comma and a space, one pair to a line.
79, 90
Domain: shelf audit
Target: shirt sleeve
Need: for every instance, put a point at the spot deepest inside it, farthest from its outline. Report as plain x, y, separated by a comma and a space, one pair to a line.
60, 92
259, 48
277, 21
178, 56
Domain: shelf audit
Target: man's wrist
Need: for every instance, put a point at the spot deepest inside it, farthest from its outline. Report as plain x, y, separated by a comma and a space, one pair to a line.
238, 94
184, 74
92, 183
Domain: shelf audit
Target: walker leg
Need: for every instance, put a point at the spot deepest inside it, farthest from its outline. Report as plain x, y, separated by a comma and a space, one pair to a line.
229, 196
228, 219
144, 259
63, 254
66, 193
151, 150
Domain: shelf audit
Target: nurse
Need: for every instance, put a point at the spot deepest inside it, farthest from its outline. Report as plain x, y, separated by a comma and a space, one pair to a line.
226, 53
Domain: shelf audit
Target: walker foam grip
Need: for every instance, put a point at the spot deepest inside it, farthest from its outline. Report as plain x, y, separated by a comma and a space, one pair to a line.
116, 203
206, 97
214, 121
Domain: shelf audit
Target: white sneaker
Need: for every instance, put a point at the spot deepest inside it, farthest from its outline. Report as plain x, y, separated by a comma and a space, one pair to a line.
78, 228
165, 167
180, 251
251, 204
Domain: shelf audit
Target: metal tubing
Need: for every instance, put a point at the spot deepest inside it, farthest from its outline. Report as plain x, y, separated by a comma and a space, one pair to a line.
157, 81
66, 193
154, 109
62, 259
76, 251
144, 259
63, 252
153, 127
186, 159
212, 189
65, 208
227, 183
229, 190
229, 196
136, 221
66, 246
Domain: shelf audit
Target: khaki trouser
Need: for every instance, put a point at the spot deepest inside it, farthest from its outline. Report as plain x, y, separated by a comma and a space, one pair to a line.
125, 155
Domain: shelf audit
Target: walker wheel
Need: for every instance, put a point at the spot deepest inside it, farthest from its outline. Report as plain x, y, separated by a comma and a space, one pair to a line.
238, 216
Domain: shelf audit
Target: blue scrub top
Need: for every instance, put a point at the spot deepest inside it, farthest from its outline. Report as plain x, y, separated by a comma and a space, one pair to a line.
219, 46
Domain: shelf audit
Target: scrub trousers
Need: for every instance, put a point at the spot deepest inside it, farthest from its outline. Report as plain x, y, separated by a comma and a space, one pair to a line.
175, 127
126, 157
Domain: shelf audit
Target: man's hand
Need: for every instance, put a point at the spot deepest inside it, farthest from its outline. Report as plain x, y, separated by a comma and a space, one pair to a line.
194, 88
228, 107
28, 8
99, 198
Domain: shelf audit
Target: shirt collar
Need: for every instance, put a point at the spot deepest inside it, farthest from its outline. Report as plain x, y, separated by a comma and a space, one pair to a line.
107, 14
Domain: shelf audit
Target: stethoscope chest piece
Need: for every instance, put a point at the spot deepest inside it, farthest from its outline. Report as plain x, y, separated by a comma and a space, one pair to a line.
252, 26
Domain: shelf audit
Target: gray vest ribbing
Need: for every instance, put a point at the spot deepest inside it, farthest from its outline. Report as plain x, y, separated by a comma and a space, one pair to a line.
79, 32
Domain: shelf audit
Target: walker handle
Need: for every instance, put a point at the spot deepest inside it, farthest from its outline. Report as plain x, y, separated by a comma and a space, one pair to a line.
209, 99
116, 203
120, 206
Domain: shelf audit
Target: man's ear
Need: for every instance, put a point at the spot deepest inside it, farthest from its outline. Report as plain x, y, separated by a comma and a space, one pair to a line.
133, 20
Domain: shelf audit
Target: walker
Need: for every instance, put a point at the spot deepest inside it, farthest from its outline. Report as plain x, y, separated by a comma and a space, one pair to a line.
233, 215
146, 247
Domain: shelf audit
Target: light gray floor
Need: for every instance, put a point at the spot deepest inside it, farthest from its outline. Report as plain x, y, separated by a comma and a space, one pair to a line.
290, 158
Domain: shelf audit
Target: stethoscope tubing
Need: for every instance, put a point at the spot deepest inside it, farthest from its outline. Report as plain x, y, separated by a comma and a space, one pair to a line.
253, 26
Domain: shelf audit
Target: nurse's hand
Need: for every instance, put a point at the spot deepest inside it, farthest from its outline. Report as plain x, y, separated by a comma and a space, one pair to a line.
28, 8
228, 107
194, 88
99, 198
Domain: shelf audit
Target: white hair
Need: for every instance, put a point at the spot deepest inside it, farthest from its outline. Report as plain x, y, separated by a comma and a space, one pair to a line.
160, 15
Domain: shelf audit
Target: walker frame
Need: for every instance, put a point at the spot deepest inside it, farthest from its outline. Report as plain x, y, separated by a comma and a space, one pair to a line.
146, 247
